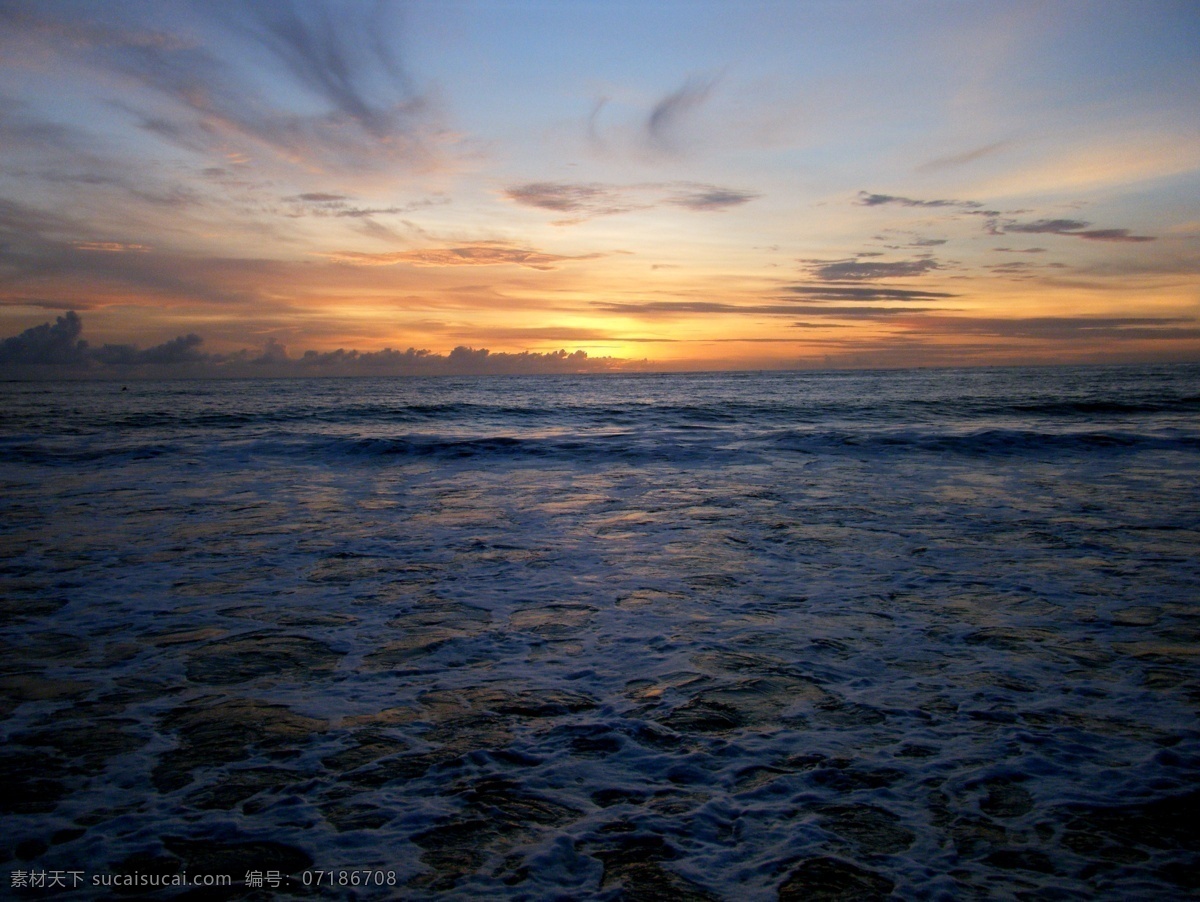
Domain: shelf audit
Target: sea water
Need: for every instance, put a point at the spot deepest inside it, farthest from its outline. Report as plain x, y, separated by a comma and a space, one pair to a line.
929, 633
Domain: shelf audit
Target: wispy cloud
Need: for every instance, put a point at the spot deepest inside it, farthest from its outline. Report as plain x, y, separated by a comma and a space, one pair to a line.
930, 322
1066, 327
68, 156
582, 201
1023, 269
962, 159
908, 240
857, 270
343, 57
873, 293
541, 333
341, 206
867, 199
316, 197
709, 198
329, 93
41, 253
479, 253
1076, 228
1047, 226
667, 309
669, 114
112, 247
997, 224
1112, 235
588, 200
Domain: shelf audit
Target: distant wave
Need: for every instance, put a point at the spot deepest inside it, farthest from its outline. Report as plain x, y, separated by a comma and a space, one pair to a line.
985, 441
1102, 407
680, 419
51, 453
680, 446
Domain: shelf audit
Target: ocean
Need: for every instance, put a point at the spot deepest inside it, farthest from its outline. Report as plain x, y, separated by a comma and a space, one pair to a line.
929, 634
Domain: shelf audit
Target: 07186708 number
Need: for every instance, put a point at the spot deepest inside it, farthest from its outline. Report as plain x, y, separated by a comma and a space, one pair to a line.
349, 878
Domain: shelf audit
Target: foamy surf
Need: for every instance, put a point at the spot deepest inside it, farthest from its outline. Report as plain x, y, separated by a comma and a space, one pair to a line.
926, 634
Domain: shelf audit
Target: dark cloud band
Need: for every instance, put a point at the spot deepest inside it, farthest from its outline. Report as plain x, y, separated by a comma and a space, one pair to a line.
1076, 228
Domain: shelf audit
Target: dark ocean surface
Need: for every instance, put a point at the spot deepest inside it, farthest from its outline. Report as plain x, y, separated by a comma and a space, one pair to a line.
927, 633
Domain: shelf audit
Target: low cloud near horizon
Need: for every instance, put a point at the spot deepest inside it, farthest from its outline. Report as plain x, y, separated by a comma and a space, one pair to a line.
59, 347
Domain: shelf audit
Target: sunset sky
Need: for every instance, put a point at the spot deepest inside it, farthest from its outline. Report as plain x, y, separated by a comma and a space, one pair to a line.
699, 184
